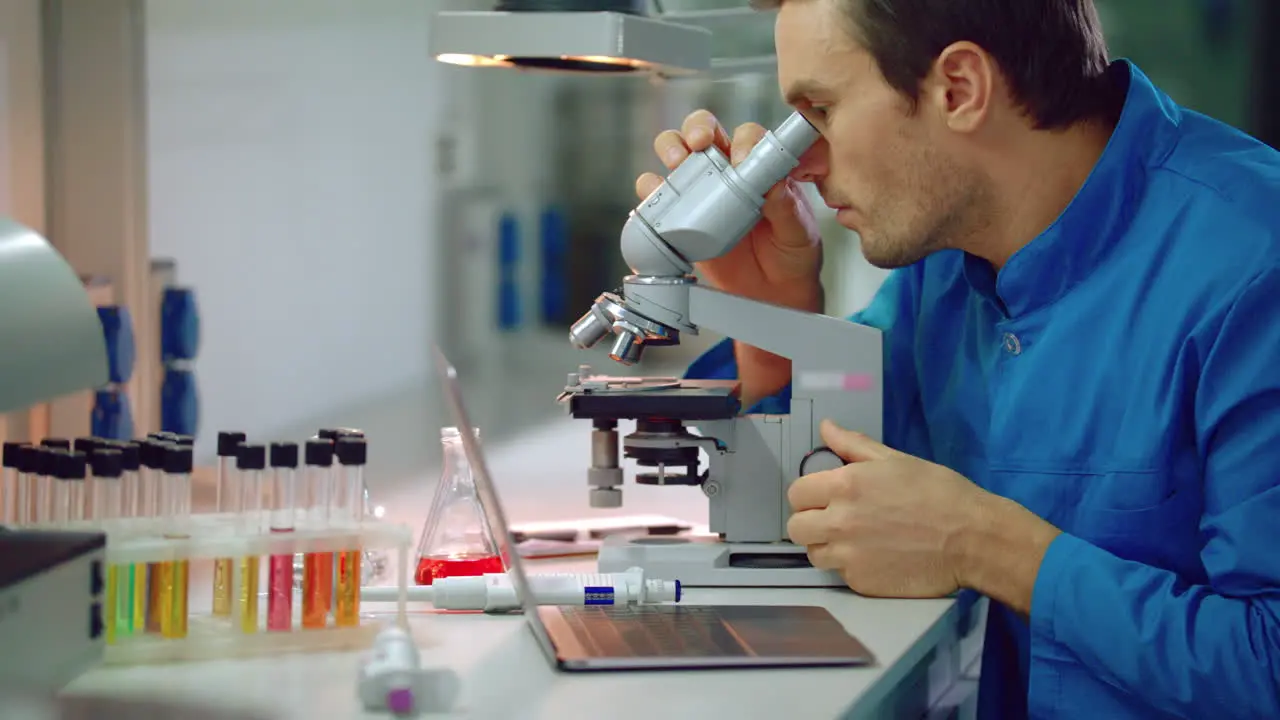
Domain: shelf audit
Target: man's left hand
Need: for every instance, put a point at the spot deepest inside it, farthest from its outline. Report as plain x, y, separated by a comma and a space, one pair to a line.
888, 522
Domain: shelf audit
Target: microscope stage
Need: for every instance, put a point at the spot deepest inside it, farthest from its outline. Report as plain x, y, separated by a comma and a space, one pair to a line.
710, 562
678, 400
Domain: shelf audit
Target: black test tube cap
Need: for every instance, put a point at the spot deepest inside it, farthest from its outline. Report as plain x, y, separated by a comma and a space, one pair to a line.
182, 440
319, 453
13, 454
107, 462
178, 459
251, 457
32, 460
130, 455
228, 442
352, 451
86, 445
57, 443
284, 455
72, 465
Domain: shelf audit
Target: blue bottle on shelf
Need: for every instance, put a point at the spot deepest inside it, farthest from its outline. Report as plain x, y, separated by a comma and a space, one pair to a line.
179, 345
554, 287
111, 417
508, 272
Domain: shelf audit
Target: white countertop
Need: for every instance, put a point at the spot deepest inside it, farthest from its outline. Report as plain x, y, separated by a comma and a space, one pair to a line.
541, 475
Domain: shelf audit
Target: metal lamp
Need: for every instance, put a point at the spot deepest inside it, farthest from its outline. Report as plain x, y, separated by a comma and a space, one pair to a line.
51, 341
591, 36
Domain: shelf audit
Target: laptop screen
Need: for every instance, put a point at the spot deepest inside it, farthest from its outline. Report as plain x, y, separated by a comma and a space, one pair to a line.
494, 514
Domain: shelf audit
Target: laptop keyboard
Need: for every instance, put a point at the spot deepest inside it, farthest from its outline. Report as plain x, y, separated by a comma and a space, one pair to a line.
651, 631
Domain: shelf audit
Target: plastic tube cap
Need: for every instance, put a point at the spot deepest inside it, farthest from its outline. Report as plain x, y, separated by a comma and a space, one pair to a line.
400, 701
352, 451
251, 457
107, 463
12, 453
284, 455
319, 453
228, 442
178, 460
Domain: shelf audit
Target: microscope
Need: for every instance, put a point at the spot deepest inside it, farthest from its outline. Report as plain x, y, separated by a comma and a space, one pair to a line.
703, 209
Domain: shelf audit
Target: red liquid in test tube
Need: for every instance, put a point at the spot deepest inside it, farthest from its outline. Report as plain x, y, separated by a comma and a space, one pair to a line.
284, 462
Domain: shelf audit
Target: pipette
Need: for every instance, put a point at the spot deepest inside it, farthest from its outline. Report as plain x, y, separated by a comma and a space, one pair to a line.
352, 453
317, 572
250, 461
284, 462
228, 442
494, 592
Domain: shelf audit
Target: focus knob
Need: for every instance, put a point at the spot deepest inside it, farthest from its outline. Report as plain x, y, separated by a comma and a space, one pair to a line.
820, 459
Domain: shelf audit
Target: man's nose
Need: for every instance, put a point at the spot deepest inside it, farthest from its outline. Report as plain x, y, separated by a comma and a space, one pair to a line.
814, 163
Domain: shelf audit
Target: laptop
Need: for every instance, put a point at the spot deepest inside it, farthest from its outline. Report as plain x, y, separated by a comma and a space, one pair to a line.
659, 636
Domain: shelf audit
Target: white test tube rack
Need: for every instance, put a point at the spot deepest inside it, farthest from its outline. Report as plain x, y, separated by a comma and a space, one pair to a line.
132, 541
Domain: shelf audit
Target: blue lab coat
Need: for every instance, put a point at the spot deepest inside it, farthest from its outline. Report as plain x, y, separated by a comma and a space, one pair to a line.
1120, 377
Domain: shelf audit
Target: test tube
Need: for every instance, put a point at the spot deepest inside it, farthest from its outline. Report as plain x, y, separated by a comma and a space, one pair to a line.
250, 462
352, 453
284, 463
175, 575
317, 573
228, 442
28, 463
77, 466
47, 480
59, 472
131, 600
107, 464
9, 485
150, 479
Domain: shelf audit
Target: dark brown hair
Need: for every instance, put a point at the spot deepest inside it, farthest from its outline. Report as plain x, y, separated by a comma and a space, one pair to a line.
1052, 52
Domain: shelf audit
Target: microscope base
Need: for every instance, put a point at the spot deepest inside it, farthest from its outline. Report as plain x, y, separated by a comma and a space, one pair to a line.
710, 562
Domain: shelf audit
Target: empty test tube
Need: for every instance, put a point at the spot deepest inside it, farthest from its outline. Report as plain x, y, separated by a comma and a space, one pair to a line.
107, 467
250, 462
228, 442
60, 474
317, 572
10, 478
352, 453
77, 467
175, 577
284, 463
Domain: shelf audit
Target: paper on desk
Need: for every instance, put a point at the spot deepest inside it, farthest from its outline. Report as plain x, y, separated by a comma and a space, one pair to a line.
569, 538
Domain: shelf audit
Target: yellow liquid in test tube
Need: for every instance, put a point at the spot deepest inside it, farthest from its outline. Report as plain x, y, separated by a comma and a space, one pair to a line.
174, 584
155, 596
346, 609
140, 596
222, 573
247, 595
109, 611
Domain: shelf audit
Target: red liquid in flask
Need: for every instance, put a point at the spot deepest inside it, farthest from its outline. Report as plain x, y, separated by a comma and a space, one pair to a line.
432, 568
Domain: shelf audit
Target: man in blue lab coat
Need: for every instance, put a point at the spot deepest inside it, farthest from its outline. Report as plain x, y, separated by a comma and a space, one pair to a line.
1082, 349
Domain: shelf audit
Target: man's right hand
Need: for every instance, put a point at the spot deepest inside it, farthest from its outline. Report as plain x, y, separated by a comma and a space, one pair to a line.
780, 259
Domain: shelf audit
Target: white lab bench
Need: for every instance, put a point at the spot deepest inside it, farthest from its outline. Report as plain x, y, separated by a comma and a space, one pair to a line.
920, 645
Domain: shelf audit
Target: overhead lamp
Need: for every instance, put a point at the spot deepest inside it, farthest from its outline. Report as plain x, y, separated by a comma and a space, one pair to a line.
49, 329
604, 36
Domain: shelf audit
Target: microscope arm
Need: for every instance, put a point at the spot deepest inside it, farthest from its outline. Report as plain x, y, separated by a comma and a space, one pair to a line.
836, 365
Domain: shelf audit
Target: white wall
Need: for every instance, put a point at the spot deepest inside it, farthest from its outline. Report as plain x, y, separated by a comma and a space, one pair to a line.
292, 180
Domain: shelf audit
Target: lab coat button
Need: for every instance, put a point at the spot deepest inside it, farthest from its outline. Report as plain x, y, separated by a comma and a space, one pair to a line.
1012, 345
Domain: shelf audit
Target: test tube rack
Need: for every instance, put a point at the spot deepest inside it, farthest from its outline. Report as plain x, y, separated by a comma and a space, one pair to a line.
135, 543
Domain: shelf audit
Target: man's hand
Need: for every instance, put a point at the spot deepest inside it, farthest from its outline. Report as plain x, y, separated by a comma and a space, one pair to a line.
894, 525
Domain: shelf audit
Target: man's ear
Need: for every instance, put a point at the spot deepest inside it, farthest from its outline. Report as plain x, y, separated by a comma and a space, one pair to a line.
961, 85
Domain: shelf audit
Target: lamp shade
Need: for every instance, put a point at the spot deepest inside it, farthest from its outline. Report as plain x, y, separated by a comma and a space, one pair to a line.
573, 41
51, 341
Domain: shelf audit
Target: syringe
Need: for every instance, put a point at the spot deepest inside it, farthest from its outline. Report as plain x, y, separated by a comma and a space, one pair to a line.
494, 592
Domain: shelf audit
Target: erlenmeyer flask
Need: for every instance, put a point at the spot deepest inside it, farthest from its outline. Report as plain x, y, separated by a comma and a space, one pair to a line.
456, 539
